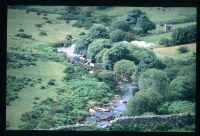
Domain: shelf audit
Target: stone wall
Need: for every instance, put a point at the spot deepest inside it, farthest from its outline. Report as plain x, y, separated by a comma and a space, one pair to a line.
173, 120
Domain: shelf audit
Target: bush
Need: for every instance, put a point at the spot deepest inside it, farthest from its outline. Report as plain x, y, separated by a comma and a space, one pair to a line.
184, 35
122, 25
124, 68
21, 30
182, 49
183, 87
154, 80
42, 87
99, 56
23, 35
117, 35
117, 52
143, 101
177, 107
43, 33
96, 46
98, 31
82, 33
48, 21
51, 82
165, 42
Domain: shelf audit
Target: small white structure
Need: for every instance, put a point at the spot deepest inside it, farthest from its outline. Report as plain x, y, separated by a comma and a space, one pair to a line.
167, 27
92, 111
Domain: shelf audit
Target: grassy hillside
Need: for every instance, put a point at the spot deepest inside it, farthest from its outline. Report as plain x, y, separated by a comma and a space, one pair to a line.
172, 51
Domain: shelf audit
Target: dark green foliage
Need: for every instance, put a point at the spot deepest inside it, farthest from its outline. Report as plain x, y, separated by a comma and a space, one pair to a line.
143, 101
48, 21
119, 35
122, 25
43, 33
14, 85
183, 49
183, 87
51, 82
21, 30
184, 35
124, 68
42, 87
165, 42
133, 16
103, 19
99, 56
146, 24
98, 31
23, 35
108, 77
177, 107
38, 26
45, 14
117, 52
154, 80
82, 33
96, 46
70, 69
68, 41
82, 45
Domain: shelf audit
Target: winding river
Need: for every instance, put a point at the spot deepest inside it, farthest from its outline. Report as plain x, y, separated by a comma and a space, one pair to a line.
125, 92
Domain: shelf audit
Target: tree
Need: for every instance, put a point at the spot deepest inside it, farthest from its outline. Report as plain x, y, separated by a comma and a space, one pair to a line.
38, 14
117, 52
133, 16
98, 31
184, 35
96, 46
146, 24
182, 49
143, 101
117, 35
124, 68
122, 25
82, 45
165, 42
38, 25
99, 56
183, 87
154, 80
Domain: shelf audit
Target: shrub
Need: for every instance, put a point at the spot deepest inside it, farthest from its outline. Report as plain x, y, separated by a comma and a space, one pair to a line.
42, 87
51, 82
184, 35
48, 21
82, 33
123, 25
124, 68
96, 46
177, 107
23, 35
117, 35
21, 30
143, 101
98, 31
117, 52
154, 80
182, 49
43, 33
99, 56
165, 42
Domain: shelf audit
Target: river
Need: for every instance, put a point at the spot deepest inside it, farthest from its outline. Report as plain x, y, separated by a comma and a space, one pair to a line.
125, 92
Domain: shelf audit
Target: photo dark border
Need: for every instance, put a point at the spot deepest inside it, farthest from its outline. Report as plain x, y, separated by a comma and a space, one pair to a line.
134, 3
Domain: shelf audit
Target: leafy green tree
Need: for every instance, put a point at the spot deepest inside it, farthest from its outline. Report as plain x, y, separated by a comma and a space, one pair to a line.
133, 15
183, 87
98, 31
82, 45
69, 69
122, 25
117, 35
165, 42
184, 35
124, 68
183, 49
143, 101
99, 55
96, 46
154, 80
108, 77
146, 24
117, 52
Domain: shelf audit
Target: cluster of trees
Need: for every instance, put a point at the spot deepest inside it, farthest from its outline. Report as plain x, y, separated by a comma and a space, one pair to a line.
167, 91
